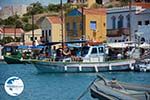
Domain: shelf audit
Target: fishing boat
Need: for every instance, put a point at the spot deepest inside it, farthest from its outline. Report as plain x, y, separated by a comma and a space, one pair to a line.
105, 89
92, 60
15, 60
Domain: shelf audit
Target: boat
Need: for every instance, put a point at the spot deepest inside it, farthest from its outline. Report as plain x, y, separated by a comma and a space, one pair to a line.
15, 60
105, 89
1, 57
142, 66
92, 60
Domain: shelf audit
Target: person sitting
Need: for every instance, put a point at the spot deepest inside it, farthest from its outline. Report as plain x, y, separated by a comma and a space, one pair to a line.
66, 52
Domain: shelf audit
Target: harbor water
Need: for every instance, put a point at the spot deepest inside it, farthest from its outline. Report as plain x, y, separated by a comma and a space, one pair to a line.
58, 86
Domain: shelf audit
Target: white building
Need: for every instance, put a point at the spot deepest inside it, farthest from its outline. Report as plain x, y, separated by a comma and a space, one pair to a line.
118, 20
28, 35
142, 25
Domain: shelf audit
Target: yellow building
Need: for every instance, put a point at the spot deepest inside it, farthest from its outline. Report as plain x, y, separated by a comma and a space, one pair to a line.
94, 24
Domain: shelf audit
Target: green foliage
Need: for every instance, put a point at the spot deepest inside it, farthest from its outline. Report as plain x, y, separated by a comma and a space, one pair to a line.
35, 8
6, 40
18, 24
124, 2
10, 21
1, 21
110, 6
54, 7
25, 19
18, 39
28, 27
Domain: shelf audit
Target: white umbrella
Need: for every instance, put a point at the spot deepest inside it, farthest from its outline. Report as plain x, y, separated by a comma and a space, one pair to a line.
145, 45
117, 45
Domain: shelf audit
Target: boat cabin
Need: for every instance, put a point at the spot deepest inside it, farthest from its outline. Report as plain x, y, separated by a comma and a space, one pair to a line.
93, 53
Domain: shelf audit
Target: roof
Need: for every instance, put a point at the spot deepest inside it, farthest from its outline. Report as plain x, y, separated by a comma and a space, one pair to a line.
54, 19
11, 30
93, 11
88, 11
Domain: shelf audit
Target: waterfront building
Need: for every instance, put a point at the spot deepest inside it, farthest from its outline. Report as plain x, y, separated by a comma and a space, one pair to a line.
118, 20
90, 26
143, 25
11, 32
28, 35
51, 28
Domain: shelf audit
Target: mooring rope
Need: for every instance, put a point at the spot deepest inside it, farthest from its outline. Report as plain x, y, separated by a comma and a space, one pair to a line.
87, 89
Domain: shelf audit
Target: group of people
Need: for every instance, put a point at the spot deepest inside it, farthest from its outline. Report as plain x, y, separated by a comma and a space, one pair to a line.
59, 54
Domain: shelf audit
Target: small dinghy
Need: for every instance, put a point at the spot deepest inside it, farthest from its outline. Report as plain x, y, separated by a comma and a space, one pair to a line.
105, 89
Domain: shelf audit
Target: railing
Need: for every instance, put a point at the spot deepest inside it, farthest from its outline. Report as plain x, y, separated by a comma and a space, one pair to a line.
117, 32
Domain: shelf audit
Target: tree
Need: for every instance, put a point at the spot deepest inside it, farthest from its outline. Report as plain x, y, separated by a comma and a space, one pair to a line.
18, 24
54, 7
25, 19
124, 2
35, 8
1, 21
28, 27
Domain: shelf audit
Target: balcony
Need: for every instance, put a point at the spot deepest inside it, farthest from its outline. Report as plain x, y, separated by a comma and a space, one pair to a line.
117, 32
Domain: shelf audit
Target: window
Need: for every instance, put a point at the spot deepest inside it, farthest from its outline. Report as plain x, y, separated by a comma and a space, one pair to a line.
113, 22
128, 20
101, 50
93, 25
146, 22
81, 25
94, 51
46, 35
139, 22
74, 28
49, 32
42, 33
120, 21
68, 26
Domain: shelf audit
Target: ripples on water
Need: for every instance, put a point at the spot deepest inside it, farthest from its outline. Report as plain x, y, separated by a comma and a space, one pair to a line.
64, 86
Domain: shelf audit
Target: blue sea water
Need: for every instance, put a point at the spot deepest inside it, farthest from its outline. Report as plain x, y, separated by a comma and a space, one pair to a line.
27, 2
60, 86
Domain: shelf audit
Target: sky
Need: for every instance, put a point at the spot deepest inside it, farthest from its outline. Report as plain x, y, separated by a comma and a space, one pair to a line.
27, 2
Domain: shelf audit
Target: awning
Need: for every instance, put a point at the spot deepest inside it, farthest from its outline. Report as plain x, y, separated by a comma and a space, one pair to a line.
23, 47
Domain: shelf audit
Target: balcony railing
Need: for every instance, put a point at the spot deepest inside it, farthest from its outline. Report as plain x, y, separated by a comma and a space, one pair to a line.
117, 32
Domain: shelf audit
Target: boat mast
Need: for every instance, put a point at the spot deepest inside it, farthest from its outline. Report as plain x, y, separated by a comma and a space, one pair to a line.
82, 23
62, 27
130, 4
